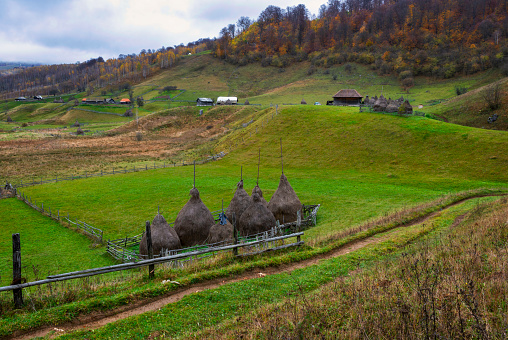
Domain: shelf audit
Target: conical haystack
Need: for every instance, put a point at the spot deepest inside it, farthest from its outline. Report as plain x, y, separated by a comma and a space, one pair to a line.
241, 201
163, 237
284, 203
303, 102
258, 191
219, 233
76, 124
9, 119
194, 221
80, 132
256, 218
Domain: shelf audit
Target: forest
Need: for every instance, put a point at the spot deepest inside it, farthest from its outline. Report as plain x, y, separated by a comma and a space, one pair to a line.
439, 38
407, 38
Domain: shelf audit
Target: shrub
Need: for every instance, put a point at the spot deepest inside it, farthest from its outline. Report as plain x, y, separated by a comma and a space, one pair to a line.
459, 89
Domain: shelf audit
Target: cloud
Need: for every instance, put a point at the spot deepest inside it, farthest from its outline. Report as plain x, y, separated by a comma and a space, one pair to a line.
56, 31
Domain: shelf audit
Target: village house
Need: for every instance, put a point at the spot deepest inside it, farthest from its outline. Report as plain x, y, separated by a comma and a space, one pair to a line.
204, 102
347, 97
126, 101
227, 100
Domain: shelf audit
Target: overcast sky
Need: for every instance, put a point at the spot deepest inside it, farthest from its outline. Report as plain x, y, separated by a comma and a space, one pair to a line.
66, 31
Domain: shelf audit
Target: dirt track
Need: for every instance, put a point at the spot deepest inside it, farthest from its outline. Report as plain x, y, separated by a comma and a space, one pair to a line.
101, 319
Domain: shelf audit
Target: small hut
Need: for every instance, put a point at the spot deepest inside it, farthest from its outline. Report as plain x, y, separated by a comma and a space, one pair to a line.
303, 102
194, 221
284, 203
241, 201
9, 119
256, 218
258, 191
163, 237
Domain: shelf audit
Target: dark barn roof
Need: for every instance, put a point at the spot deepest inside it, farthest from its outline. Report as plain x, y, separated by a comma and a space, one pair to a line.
350, 93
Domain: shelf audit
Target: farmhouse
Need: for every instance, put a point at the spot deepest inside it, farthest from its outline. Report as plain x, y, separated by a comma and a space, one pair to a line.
347, 97
204, 102
92, 101
227, 100
125, 101
20, 98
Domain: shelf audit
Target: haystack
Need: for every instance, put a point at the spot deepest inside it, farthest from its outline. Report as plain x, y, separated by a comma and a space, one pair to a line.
393, 106
80, 132
246, 102
128, 113
407, 109
256, 218
380, 104
258, 191
284, 203
76, 124
241, 201
163, 237
9, 119
194, 221
220, 232
303, 102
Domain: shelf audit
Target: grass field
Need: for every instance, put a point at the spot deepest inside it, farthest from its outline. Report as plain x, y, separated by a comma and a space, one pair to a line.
47, 247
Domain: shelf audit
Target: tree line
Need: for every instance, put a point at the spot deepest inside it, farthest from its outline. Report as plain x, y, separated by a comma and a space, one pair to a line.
95, 73
425, 37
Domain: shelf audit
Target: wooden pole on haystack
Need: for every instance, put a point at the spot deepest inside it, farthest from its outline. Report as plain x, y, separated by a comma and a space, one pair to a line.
194, 174
281, 161
241, 173
149, 247
259, 161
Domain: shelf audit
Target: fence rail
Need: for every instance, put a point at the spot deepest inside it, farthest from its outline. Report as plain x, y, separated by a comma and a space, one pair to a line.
144, 263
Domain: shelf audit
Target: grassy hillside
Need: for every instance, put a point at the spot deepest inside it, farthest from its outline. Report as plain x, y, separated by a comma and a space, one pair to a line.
358, 165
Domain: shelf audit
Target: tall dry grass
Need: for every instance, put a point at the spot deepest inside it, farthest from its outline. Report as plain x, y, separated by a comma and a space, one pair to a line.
449, 287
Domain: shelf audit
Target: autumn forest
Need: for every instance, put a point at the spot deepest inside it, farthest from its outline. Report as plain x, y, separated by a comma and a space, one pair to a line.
437, 38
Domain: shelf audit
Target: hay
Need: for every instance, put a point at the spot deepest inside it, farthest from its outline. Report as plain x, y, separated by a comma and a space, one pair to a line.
163, 237
220, 233
194, 221
128, 113
284, 203
241, 201
258, 191
76, 124
80, 132
303, 102
9, 119
256, 218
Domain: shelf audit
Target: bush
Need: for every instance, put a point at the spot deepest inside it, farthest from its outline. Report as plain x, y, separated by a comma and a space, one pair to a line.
408, 82
405, 74
459, 89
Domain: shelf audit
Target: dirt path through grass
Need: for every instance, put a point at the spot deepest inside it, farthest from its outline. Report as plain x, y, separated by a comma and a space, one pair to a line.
101, 319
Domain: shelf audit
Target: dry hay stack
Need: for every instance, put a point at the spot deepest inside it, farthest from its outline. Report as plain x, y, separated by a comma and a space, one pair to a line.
303, 102
219, 233
380, 104
241, 201
392, 106
246, 102
163, 237
258, 191
128, 113
256, 219
9, 119
80, 132
194, 221
284, 203
407, 108
76, 124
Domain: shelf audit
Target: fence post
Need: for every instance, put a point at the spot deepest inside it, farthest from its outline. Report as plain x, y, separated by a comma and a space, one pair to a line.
101, 172
235, 235
86, 175
41, 180
113, 171
42, 206
56, 179
16, 270
58, 214
149, 248
146, 166
298, 224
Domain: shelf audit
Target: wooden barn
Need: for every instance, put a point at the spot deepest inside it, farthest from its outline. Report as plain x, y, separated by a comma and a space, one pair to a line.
347, 97
125, 101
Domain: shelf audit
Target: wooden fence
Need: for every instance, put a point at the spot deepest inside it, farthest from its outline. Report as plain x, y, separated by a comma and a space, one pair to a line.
117, 171
122, 249
159, 260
